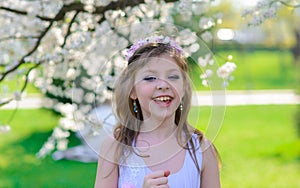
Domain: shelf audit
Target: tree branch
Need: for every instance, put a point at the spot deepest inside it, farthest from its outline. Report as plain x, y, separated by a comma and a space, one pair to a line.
22, 60
2, 103
13, 10
290, 5
78, 7
69, 29
15, 37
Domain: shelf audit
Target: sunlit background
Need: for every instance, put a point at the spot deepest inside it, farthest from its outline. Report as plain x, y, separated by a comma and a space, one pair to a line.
259, 140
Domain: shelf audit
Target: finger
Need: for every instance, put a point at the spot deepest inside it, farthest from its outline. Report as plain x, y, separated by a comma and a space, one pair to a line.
160, 181
163, 186
149, 182
155, 174
166, 173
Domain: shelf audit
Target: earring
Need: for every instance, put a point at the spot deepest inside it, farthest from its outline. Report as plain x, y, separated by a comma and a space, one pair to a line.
135, 107
180, 106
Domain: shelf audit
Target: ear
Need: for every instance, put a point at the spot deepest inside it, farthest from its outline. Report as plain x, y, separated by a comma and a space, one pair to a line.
133, 95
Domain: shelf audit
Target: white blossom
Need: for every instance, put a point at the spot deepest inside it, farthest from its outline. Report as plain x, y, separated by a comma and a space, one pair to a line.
194, 47
208, 73
79, 61
62, 144
207, 60
76, 94
199, 8
67, 123
71, 74
187, 37
17, 95
262, 4
225, 70
206, 23
4, 128
205, 82
270, 13
207, 36
59, 133
202, 62
262, 11
89, 98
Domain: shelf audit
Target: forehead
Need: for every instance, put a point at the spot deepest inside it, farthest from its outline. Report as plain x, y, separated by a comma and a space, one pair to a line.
160, 63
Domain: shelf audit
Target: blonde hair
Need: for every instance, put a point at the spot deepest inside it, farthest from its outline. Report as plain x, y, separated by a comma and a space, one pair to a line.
128, 129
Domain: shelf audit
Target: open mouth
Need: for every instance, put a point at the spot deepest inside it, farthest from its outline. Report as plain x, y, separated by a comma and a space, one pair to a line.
163, 100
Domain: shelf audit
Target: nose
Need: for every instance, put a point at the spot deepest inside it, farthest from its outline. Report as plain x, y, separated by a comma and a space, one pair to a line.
162, 85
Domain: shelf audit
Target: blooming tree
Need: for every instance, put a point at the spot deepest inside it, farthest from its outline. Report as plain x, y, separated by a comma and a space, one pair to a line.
268, 9
273, 9
73, 50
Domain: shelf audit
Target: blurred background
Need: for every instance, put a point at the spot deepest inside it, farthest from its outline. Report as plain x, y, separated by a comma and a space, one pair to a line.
259, 140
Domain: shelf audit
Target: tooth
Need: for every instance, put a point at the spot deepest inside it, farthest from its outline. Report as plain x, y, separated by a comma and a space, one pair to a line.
163, 99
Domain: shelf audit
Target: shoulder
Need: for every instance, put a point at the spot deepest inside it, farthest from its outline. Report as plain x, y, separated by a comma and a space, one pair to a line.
207, 148
108, 147
196, 135
107, 171
210, 176
210, 154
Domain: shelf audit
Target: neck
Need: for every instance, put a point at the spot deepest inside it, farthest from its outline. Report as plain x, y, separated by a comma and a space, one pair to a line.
158, 129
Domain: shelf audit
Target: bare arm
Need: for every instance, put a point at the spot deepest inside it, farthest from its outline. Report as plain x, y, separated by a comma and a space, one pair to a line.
107, 171
210, 176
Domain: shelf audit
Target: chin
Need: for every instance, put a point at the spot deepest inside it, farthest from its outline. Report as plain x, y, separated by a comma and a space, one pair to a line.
164, 114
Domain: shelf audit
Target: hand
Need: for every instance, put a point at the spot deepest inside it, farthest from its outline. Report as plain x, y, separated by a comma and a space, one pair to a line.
157, 179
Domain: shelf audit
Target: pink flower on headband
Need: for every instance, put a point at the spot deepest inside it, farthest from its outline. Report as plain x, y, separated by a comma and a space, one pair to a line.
154, 39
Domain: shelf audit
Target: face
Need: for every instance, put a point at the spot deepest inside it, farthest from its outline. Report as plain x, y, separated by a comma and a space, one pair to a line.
159, 87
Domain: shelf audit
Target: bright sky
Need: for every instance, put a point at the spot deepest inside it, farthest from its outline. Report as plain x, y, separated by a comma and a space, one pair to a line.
244, 4
240, 3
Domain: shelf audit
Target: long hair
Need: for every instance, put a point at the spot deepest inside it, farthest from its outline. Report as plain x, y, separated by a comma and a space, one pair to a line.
129, 126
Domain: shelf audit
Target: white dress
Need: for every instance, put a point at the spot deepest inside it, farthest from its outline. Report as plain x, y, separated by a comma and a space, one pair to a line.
131, 174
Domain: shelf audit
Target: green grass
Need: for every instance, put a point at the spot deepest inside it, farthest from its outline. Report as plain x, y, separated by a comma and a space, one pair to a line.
258, 146
257, 69
262, 69
18, 165
16, 85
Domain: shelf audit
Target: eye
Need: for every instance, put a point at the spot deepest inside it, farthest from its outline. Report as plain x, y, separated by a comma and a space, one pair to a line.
150, 78
174, 77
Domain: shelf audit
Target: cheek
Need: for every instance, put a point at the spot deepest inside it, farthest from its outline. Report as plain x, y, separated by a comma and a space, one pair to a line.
144, 95
178, 89
144, 91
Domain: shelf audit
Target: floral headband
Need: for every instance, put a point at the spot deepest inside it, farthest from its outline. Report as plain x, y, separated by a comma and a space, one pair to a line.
154, 39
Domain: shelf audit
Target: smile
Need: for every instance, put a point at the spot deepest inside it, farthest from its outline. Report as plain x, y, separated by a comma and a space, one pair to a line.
163, 99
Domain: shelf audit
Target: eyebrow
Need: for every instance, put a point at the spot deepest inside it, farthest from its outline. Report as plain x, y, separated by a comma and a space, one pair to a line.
154, 71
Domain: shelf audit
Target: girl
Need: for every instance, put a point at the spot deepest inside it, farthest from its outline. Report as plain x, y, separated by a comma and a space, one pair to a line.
153, 145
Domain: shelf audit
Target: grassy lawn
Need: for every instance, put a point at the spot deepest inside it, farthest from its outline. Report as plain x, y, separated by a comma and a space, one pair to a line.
20, 168
17, 85
257, 69
263, 70
258, 146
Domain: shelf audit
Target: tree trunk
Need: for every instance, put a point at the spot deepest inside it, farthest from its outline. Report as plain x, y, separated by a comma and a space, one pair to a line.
296, 49
298, 92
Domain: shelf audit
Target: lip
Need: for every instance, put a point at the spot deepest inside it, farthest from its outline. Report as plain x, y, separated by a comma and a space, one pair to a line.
163, 103
160, 96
